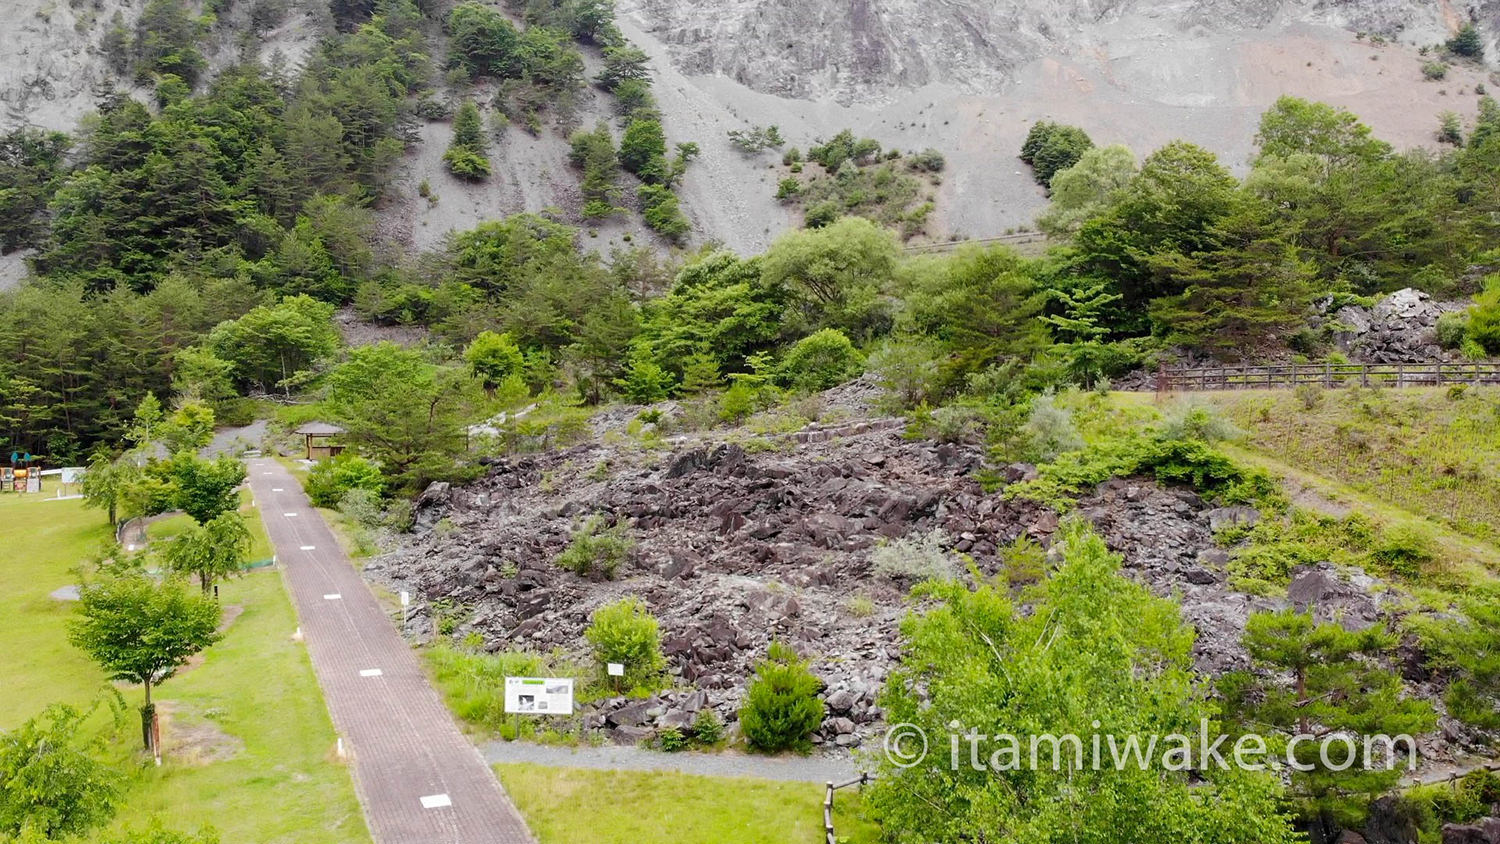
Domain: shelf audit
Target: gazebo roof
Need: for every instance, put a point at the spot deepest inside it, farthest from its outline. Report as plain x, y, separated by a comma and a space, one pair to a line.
319, 429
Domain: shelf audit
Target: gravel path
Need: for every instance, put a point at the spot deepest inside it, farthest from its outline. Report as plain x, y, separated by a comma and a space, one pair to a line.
818, 769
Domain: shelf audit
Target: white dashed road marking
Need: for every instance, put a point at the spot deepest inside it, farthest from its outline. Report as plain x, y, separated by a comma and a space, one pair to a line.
370, 672
436, 801
289, 515
332, 596
309, 547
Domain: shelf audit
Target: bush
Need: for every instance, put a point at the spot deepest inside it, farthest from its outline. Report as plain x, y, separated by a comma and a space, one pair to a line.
707, 728
928, 160
1049, 430
788, 188
1308, 395
915, 558
329, 480
822, 214
1452, 329
818, 361
908, 371
467, 164
1405, 549
671, 740
1435, 71
1051, 148
625, 632
781, 706
1192, 421
361, 506
596, 551
1467, 43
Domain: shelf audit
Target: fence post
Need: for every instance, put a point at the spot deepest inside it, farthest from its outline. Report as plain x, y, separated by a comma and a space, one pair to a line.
1327, 374
1364, 374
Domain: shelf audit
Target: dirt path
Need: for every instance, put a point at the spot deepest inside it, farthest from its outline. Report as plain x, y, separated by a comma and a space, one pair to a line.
418, 779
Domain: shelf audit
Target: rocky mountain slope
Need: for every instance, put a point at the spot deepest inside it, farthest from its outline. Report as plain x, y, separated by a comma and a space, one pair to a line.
742, 539
965, 77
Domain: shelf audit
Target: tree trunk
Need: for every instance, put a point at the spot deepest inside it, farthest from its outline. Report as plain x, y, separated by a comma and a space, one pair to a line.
148, 718
1302, 700
112, 519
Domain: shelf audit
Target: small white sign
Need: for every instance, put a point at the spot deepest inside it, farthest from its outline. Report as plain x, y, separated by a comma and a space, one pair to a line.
370, 672
436, 801
539, 695
616, 669
405, 598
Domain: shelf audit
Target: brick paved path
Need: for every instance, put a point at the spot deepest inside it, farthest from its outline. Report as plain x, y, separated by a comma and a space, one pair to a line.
419, 779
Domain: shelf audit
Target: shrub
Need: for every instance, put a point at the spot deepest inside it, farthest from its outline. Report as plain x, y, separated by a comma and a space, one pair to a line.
625, 632
788, 188
1434, 71
818, 361
662, 211
1051, 148
671, 740
1049, 430
1452, 329
1467, 43
596, 550
467, 164
1405, 549
914, 558
822, 214
1192, 421
361, 506
707, 728
1308, 395
329, 480
928, 160
781, 706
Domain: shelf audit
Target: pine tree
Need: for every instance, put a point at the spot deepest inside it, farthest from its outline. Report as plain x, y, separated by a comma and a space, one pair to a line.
1320, 680
466, 153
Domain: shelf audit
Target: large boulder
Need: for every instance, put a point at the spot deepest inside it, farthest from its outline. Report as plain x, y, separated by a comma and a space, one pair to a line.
1486, 831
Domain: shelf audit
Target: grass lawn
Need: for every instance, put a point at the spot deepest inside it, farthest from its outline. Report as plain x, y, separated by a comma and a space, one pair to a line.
248, 741
581, 806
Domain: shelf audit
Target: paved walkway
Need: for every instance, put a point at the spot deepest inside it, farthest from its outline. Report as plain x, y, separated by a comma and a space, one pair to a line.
818, 769
419, 780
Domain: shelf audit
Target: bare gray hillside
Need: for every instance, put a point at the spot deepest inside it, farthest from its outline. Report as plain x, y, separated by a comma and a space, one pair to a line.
963, 76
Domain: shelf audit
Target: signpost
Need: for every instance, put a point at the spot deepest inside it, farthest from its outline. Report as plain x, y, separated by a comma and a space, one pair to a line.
539, 695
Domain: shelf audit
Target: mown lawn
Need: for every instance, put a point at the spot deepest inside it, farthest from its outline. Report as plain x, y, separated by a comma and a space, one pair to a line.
582, 806
248, 741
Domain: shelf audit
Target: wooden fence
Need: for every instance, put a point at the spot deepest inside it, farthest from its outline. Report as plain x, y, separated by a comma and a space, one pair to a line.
829, 837
1327, 375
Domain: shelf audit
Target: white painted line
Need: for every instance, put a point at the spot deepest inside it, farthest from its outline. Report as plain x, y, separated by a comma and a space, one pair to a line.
268, 473
332, 596
289, 515
370, 672
309, 547
277, 489
436, 801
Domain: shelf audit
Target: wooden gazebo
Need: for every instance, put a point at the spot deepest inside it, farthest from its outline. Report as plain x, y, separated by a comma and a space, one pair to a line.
320, 438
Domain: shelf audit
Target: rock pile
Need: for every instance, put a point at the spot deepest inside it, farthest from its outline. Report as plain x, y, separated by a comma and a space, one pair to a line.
1401, 328
736, 547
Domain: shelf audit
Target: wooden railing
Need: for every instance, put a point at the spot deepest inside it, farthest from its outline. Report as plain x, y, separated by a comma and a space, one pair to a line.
828, 835
1327, 375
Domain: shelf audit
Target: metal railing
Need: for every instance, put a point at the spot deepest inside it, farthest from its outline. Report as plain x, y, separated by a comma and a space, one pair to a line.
1327, 375
828, 834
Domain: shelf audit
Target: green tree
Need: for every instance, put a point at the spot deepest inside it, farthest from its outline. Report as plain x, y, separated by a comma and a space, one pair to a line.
781, 707
107, 483
1095, 654
1464, 650
594, 154
1053, 147
643, 150
1320, 679
466, 153
493, 358
1084, 190
215, 550
1296, 126
273, 343
623, 64
1467, 43
206, 488
820, 360
834, 277
1236, 299
482, 41
625, 632
327, 481
31, 167
53, 782
141, 631
401, 410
